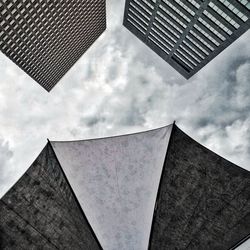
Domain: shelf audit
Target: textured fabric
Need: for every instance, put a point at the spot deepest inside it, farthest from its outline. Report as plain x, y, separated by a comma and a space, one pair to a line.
203, 200
40, 211
116, 180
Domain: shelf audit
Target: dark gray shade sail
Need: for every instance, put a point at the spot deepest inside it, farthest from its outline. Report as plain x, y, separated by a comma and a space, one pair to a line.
203, 200
187, 34
46, 38
41, 212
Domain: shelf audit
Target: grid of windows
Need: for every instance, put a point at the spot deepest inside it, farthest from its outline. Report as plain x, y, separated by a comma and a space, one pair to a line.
177, 10
197, 5
245, 3
234, 10
217, 22
224, 15
172, 16
45, 38
206, 35
185, 7
170, 25
187, 34
212, 29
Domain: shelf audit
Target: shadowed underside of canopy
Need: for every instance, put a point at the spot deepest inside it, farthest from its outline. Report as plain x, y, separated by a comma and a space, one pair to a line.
157, 189
41, 212
203, 201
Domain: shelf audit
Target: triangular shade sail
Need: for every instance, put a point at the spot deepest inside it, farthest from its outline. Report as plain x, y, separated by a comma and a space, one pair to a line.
116, 181
41, 212
153, 190
203, 200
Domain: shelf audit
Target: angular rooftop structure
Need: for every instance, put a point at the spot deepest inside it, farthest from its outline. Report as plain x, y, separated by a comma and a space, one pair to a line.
154, 190
187, 34
45, 38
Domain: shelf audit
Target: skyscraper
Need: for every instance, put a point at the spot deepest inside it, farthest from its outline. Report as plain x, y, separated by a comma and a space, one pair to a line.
45, 38
187, 34
153, 190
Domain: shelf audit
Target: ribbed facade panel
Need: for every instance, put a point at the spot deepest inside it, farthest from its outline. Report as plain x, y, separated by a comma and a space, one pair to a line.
187, 34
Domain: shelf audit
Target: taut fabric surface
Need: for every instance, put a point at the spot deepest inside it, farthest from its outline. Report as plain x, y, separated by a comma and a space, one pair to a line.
116, 181
40, 211
203, 200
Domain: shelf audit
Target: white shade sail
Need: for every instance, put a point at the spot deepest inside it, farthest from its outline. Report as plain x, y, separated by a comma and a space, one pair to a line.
116, 180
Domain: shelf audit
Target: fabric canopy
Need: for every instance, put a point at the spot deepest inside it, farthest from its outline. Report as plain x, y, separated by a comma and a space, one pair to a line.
155, 190
116, 181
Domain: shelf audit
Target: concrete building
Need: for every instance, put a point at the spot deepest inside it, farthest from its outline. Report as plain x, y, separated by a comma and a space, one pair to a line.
154, 190
45, 38
187, 34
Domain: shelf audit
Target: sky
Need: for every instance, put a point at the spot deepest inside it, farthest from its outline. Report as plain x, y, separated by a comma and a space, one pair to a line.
121, 86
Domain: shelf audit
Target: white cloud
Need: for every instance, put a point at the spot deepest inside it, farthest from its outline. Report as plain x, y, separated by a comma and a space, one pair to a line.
121, 86
5, 158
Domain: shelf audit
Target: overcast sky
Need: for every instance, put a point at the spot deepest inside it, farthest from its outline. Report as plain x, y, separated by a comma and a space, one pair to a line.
120, 86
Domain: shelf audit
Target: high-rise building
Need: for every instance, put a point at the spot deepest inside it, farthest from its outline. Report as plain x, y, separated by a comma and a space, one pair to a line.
153, 190
187, 34
45, 38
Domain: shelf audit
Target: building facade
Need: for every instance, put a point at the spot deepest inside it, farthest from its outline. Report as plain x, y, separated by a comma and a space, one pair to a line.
45, 38
187, 34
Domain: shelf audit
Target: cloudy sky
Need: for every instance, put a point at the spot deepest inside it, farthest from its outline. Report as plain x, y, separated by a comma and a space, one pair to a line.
120, 86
